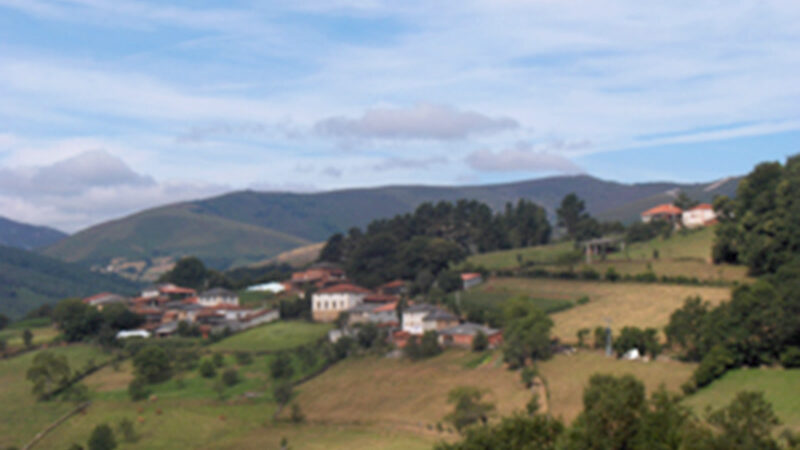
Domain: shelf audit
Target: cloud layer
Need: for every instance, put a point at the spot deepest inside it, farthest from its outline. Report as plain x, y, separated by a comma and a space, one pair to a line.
522, 158
421, 121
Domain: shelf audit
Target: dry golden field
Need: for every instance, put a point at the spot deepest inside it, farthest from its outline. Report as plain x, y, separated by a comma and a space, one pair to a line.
635, 304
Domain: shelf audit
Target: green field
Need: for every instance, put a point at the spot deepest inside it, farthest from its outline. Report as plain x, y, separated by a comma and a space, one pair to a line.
13, 337
780, 387
509, 259
694, 244
21, 416
275, 337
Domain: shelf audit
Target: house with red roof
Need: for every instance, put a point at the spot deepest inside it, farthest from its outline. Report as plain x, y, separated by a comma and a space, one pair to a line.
470, 280
700, 216
394, 288
666, 211
329, 302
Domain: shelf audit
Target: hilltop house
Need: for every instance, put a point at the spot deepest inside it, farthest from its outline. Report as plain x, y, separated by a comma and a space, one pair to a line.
667, 212
463, 335
470, 280
422, 317
328, 303
218, 296
699, 216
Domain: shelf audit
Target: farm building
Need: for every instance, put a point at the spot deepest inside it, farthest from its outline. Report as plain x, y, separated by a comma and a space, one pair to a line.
699, 216
470, 280
218, 296
463, 335
328, 303
667, 212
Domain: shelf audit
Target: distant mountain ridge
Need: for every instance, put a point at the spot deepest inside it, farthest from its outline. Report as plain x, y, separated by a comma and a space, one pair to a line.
247, 226
28, 280
25, 236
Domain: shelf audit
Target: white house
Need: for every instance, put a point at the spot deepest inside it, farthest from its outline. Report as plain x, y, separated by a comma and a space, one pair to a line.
218, 296
699, 216
422, 317
328, 303
125, 334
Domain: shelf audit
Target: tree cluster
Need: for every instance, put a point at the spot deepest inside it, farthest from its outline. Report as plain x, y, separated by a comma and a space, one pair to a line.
420, 245
526, 333
759, 227
759, 325
79, 321
618, 415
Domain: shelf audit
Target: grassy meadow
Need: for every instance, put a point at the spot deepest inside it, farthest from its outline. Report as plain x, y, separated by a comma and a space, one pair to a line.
781, 388
274, 337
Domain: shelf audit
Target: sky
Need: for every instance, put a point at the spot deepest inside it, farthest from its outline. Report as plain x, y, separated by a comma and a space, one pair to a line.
112, 106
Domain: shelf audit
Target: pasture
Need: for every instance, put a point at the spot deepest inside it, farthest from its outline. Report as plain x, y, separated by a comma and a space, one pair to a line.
274, 337
625, 304
568, 375
781, 388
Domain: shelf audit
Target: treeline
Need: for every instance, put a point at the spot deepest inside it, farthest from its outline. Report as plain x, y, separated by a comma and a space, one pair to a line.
761, 226
419, 245
191, 272
617, 414
759, 325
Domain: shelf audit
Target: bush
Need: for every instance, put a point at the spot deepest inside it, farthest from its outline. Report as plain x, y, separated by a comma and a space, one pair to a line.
527, 375
244, 358
127, 431
137, 389
281, 366
480, 342
152, 364
297, 415
208, 369
583, 300
102, 438
716, 362
218, 359
790, 358
612, 275
230, 377
589, 274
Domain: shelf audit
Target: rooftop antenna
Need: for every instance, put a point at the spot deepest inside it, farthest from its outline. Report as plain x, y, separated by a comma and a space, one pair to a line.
608, 337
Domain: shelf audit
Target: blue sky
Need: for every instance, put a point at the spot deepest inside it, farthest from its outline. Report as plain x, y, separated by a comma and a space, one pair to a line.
111, 106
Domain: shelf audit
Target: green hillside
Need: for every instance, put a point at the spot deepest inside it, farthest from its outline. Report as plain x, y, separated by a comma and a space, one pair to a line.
21, 235
176, 230
28, 280
244, 227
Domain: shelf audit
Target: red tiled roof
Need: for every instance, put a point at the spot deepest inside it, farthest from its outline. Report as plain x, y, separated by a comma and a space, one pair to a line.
470, 276
386, 307
176, 290
702, 206
392, 284
380, 298
345, 287
666, 208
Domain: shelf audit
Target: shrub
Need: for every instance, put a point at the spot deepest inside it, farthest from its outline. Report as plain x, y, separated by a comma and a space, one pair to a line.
590, 274
230, 377
582, 333
612, 275
243, 358
790, 358
208, 369
527, 375
218, 359
583, 300
480, 342
718, 360
297, 415
152, 364
127, 431
102, 438
281, 366
137, 389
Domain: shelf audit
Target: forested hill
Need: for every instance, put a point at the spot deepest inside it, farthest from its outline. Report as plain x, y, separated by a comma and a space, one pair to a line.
249, 226
28, 280
22, 235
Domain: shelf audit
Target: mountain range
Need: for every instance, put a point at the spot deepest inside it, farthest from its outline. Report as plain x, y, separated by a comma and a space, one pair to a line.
29, 237
245, 227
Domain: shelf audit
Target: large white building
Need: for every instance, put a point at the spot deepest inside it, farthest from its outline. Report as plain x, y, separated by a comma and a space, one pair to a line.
699, 216
417, 319
218, 296
328, 303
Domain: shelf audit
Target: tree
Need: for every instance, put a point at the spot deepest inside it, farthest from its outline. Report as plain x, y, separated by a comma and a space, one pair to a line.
582, 334
118, 317
527, 332
480, 342
27, 337
570, 214
684, 202
468, 407
282, 393
368, 335
208, 369
519, 431
218, 360
281, 366
663, 423
189, 272
152, 364
600, 334
449, 281
429, 344
297, 415
747, 422
4, 321
127, 430
76, 319
102, 438
230, 377
138, 390
48, 373
612, 410
686, 328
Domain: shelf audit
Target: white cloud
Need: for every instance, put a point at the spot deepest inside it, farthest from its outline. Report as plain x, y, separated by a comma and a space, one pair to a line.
524, 158
85, 189
422, 121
